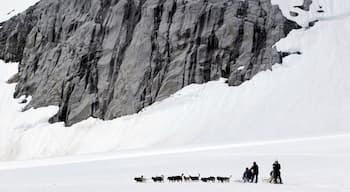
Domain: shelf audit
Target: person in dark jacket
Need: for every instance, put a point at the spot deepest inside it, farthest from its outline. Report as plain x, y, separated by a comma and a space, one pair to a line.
247, 175
255, 172
276, 172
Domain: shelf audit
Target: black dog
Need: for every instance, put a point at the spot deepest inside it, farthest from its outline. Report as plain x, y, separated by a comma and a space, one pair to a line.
195, 178
207, 179
187, 178
176, 178
223, 179
140, 179
159, 179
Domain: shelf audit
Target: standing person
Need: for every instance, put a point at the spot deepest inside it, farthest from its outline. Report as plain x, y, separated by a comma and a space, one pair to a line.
277, 172
255, 172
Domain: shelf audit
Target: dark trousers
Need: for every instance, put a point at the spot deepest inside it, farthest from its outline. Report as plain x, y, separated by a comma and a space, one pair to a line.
277, 177
255, 176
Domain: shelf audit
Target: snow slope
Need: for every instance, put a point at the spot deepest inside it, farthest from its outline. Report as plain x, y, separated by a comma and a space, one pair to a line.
10, 8
307, 96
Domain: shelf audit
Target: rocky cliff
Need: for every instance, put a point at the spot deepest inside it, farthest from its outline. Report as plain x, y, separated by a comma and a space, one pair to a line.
108, 58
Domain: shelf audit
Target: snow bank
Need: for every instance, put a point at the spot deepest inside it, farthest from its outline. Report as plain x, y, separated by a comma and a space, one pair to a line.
306, 96
14, 122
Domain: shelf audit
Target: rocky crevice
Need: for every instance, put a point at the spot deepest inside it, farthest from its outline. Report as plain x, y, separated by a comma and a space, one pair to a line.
108, 58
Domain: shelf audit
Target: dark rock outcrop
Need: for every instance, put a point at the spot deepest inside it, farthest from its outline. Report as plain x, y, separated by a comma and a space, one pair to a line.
305, 6
293, 14
108, 58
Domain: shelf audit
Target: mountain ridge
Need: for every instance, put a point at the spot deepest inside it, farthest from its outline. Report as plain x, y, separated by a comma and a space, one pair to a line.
107, 59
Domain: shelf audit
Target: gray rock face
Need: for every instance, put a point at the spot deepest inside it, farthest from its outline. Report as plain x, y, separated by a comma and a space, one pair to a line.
305, 6
108, 58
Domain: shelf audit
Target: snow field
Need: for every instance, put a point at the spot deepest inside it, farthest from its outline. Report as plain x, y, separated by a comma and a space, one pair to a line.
307, 166
297, 114
306, 96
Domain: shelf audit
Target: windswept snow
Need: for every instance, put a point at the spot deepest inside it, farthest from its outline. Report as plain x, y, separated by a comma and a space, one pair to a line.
306, 96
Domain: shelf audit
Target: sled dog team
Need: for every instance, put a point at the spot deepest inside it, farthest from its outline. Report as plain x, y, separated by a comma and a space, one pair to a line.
249, 175
181, 178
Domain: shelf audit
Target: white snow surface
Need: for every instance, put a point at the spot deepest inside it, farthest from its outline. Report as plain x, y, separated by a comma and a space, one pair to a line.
296, 113
307, 96
10, 8
307, 166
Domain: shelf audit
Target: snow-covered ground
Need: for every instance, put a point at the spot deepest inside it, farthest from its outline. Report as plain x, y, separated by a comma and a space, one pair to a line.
306, 96
297, 113
307, 166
